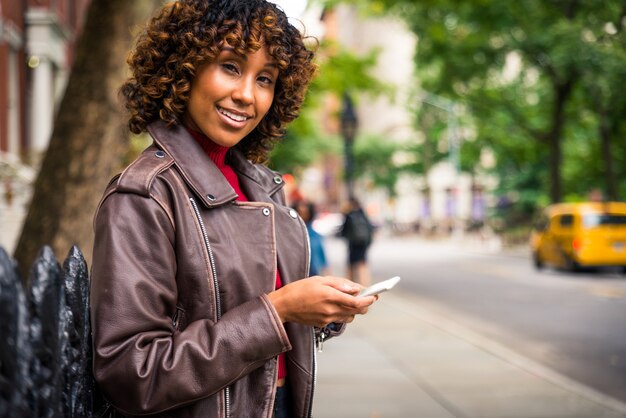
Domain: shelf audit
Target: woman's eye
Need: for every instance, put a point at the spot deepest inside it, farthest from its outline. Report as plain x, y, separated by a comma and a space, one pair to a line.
266, 80
231, 68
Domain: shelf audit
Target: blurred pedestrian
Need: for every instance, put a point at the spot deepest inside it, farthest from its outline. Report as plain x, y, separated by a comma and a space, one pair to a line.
358, 231
200, 306
318, 264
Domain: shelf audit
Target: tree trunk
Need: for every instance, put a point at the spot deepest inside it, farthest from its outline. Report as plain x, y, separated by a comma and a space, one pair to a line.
562, 91
607, 156
554, 143
88, 139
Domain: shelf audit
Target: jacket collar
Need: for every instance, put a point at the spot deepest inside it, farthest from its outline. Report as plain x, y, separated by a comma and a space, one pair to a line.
258, 181
202, 175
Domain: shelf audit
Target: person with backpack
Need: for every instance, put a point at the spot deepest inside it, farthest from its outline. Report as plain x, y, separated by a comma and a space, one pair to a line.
358, 231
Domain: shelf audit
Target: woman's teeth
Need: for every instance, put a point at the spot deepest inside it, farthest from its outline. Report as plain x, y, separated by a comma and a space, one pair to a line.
233, 116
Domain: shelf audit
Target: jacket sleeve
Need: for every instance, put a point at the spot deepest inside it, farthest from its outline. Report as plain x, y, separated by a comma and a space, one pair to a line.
141, 361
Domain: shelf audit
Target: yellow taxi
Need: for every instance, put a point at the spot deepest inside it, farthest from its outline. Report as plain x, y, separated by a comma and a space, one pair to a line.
576, 235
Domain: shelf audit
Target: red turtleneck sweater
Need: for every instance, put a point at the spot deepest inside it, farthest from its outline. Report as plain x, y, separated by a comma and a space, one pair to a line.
217, 154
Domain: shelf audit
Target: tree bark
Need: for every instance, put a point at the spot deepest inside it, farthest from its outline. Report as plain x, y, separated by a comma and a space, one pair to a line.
607, 156
562, 91
88, 139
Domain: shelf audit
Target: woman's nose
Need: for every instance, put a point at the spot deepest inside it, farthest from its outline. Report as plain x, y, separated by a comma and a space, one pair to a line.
244, 91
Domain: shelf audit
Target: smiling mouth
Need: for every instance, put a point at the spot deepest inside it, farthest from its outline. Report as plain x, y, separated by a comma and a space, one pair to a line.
237, 117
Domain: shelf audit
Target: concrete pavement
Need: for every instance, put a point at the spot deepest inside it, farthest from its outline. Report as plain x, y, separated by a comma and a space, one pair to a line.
403, 360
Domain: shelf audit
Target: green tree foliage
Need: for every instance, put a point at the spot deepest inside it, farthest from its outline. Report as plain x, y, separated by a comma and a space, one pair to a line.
339, 71
374, 161
303, 144
542, 81
602, 83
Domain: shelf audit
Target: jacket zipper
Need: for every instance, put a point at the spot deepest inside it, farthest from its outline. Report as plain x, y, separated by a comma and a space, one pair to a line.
218, 303
310, 415
314, 345
318, 340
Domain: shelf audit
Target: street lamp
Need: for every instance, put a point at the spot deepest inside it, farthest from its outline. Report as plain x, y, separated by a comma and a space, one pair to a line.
349, 123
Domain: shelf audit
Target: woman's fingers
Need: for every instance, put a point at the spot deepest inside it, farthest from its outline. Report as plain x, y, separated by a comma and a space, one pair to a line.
320, 300
343, 285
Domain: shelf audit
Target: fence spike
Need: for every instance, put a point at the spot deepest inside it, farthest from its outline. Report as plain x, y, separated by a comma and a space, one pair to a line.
48, 334
15, 349
82, 388
45, 349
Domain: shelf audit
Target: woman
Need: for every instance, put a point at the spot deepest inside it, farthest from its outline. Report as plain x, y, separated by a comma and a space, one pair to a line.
200, 302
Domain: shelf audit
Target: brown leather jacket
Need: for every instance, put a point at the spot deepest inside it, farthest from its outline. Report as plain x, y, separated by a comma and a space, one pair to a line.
181, 322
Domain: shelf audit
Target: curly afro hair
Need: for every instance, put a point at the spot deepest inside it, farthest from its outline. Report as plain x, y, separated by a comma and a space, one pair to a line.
187, 33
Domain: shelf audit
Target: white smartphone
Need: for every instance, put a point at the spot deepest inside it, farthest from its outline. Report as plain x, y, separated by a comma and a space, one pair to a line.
380, 287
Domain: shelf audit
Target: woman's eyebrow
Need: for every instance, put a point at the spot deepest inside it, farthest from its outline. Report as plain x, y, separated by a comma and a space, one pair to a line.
232, 51
244, 57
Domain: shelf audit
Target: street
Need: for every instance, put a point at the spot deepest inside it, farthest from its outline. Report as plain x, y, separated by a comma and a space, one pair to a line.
571, 323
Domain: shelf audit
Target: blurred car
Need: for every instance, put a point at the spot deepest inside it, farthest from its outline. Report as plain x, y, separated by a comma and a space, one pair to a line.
576, 235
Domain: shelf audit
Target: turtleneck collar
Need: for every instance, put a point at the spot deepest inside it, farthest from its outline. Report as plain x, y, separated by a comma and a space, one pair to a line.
216, 153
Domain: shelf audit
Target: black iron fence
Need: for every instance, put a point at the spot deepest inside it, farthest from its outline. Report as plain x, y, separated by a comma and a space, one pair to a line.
45, 339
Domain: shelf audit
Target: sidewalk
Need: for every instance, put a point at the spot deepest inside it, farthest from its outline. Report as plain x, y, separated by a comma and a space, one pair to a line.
402, 360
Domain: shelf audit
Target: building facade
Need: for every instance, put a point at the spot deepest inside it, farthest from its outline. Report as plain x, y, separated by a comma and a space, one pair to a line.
37, 40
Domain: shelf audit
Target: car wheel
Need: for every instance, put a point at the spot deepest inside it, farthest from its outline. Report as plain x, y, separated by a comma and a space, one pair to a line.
538, 263
571, 265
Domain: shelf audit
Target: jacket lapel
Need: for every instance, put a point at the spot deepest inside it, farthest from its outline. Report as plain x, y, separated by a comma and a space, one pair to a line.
259, 184
200, 173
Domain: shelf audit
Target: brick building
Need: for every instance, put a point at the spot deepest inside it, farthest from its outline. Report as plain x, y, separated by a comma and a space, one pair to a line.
37, 39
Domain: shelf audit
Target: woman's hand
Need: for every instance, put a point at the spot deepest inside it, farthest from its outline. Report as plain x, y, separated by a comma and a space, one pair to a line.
318, 301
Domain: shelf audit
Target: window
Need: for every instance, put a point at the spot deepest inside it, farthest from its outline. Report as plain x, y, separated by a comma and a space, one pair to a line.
566, 221
592, 220
13, 111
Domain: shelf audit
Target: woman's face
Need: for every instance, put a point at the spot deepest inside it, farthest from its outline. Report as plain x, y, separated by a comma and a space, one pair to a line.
230, 95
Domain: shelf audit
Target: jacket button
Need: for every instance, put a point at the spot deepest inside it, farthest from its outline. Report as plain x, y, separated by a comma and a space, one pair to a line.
159, 154
266, 212
293, 213
278, 179
210, 197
